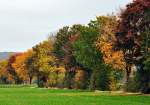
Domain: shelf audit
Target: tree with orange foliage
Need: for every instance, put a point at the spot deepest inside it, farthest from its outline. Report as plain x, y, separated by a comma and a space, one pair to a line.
3, 72
11, 70
21, 68
106, 41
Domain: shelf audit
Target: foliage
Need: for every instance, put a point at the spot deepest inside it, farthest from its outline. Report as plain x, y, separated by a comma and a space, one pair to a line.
4, 74
61, 40
43, 61
87, 55
20, 66
133, 36
106, 41
13, 75
81, 79
85, 52
63, 50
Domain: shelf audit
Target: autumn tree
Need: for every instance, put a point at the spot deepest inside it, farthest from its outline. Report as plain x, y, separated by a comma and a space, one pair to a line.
133, 38
4, 74
42, 61
11, 69
107, 26
106, 41
20, 66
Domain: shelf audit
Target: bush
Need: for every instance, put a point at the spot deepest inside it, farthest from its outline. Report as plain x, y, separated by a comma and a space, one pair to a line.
105, 79
133, 85
52, 81
60, 80
81, 79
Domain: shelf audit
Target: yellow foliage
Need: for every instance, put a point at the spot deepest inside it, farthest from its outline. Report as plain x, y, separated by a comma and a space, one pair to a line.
61, 69
105, 44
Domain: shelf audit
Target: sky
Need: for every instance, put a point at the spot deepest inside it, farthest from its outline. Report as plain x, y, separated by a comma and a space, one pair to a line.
25, 23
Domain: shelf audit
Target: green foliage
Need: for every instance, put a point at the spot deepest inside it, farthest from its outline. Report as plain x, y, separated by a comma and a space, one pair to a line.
147, 65
103, 79
63, 50
85, 51
89, 57
145, 43
60, 80
61, 39
52, 80
132, 86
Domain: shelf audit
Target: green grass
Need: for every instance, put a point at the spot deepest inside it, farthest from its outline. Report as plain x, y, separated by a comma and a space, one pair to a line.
37, 96
15, 86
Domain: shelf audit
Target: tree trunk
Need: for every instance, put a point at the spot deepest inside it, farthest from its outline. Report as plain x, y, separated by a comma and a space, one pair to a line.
38, 80
69, 79
30, 80
128, 72
143, 79
144, 82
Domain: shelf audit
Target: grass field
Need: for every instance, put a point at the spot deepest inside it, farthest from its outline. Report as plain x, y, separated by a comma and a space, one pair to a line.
37, 96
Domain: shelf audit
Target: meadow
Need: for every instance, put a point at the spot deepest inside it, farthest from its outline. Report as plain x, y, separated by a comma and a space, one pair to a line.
41, 96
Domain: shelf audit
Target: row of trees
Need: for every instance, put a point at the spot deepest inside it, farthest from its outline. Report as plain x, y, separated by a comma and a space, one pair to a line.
99, 55
76, 57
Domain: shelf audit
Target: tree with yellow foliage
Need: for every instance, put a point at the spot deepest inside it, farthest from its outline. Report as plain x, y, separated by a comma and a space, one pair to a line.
42, 61
105, 42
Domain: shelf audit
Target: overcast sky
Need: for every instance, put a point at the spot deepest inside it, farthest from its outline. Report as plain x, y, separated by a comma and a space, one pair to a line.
24, 23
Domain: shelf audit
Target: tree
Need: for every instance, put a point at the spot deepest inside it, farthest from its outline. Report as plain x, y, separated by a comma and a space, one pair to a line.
106, 41
131, 37
61, 39
86, 54
20, 66
63, 50
42, 61
107, 26
13, 75
4, 74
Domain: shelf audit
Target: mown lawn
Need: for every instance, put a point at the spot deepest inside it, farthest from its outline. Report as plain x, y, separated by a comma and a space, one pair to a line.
37, 96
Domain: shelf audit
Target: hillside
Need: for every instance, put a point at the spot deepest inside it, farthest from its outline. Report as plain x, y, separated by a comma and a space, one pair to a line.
5, 55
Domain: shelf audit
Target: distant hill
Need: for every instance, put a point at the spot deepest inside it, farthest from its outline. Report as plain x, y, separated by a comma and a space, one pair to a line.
5, 55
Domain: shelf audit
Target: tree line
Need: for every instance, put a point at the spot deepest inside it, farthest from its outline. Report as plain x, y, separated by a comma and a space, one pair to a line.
109, 53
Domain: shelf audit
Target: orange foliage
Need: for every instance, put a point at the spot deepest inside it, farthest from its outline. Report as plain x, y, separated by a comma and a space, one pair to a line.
19, 65
106, 40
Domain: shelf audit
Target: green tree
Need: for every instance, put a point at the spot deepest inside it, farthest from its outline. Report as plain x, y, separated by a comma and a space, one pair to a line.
63, 50
87, 55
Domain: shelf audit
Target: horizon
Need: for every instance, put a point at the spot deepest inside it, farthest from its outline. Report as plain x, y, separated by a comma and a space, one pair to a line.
26, 23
